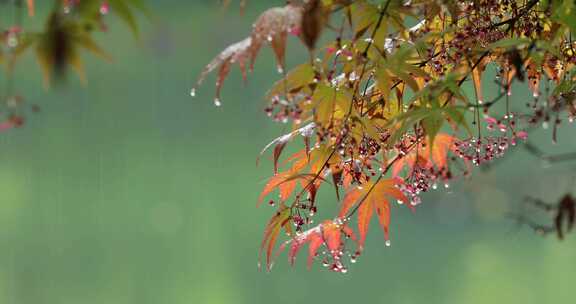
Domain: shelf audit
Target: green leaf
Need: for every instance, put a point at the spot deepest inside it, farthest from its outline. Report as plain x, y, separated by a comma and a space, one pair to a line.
510, 43
432, 124
296, 78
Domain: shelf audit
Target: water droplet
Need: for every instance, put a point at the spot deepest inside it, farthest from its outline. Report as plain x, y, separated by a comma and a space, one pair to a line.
415, 201
12, 40
280, 69
388, 243
400, 202
217, 102
446, 185
193, 92
545, 125
344, 270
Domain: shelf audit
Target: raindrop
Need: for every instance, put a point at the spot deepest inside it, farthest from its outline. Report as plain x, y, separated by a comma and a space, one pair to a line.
416, 201
280, 69
12, 40
193, 92
217, 102
388, 243
545, 125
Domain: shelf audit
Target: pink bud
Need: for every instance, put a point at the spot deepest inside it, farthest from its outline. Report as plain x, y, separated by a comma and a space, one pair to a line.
522, 135
491, 120
295, 31
6, 125
104, 8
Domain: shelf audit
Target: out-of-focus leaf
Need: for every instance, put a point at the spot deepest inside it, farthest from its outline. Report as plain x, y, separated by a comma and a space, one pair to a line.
313, 20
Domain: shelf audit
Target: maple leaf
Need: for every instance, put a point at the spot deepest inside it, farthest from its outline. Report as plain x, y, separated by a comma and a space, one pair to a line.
238, 52
58, 47
287, 181
330, 233
372, 197
273, 27
31, 7
280, 220
280, 142
428, 155
313, 19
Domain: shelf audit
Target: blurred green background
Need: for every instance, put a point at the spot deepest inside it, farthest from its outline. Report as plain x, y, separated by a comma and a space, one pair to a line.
130, 191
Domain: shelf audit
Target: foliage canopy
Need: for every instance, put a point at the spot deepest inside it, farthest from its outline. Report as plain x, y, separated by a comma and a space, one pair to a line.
382, 110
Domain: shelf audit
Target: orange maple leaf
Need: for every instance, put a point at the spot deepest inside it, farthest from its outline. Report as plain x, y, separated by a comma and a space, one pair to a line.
427, 155
372, 197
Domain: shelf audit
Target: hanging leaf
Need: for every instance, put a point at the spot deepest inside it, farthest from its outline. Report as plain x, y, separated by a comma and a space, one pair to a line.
280, 220
427, 155
313, 20
238, 52
31, 8
330, 233
372, 197
271, 27
280, 142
